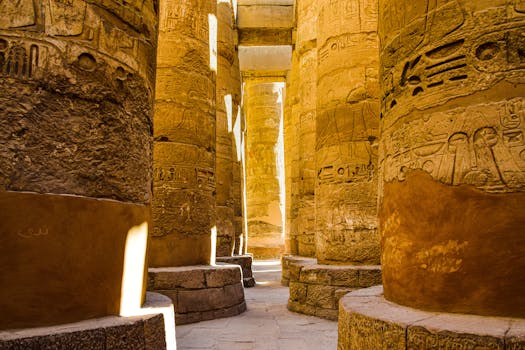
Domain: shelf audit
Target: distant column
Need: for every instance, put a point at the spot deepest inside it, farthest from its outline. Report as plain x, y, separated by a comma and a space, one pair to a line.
184, 148
263, 114
224, 139
76, 97
347, 129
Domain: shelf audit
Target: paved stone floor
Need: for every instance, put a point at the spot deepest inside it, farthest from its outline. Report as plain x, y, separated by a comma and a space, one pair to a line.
267, 325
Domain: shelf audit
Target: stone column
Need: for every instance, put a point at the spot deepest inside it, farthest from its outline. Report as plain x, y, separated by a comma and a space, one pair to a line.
240, 246
224, 139
291, 154
263, 114
184, 134
453, 155
306, 48
76, 98
347, 128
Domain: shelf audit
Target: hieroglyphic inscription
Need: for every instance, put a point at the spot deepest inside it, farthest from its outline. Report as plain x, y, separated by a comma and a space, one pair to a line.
480, 145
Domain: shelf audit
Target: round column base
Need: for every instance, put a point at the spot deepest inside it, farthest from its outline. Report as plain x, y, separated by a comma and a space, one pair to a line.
316, 289
287, 261
200, 292
152, 329
368, 321
245, 262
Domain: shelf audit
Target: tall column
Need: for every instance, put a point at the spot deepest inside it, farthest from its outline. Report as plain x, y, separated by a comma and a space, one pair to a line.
347, 128
224, 139
184, 134
291, 155
306, 48
453, 155
240, 244
76, 100
263, 114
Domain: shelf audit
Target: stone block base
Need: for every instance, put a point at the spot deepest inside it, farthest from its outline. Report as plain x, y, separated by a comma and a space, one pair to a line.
245, 262
316, 289
202, 292
369, 322
287, 260
147, 331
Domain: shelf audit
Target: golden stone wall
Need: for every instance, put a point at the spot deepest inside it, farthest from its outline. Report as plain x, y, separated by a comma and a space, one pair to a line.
347, 122
76, 93
453, 155
263, 114
184, 134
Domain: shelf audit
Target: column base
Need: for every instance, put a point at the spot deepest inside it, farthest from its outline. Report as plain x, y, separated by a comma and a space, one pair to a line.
368, 321
287, 260
245, 262
316, 289
200, 292
151, 329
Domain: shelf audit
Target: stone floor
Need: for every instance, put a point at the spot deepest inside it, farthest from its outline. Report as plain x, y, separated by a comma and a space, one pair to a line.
267, 325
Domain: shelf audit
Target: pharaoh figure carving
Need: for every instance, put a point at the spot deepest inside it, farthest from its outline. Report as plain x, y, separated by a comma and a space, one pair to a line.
453, 147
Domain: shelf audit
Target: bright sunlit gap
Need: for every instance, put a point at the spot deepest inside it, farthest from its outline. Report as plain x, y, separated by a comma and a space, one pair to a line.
279, 161
228, 104
133, 272
212, 25
213, 245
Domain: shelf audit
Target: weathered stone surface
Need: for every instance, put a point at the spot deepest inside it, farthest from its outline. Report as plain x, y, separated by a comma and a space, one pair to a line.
298, 292
287, 261
76, 126
138, 332
368, 321
347, 122
263, 110
181, 277
321, 296
451, 146
184, 134
217, 291
219, 277
245, 262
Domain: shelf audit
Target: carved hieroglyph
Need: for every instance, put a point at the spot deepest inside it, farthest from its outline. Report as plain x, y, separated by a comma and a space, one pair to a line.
224, 133
347, 129
453, 123
184, 134
263, 113
76, 96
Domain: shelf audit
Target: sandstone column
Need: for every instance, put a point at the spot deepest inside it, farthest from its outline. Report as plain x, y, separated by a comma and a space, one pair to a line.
306, 48
291, 154
453, 155
184, 134
263, 114
345, 49
238, 225
224, 139
76, 97
347, 127
183, 259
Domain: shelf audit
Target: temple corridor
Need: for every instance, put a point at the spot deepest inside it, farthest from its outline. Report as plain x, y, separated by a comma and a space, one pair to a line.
266, 325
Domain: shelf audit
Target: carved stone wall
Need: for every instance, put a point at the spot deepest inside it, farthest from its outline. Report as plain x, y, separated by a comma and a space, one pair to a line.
224, 139
184, 148
347, 122
263, 114
76, 92
453, 155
